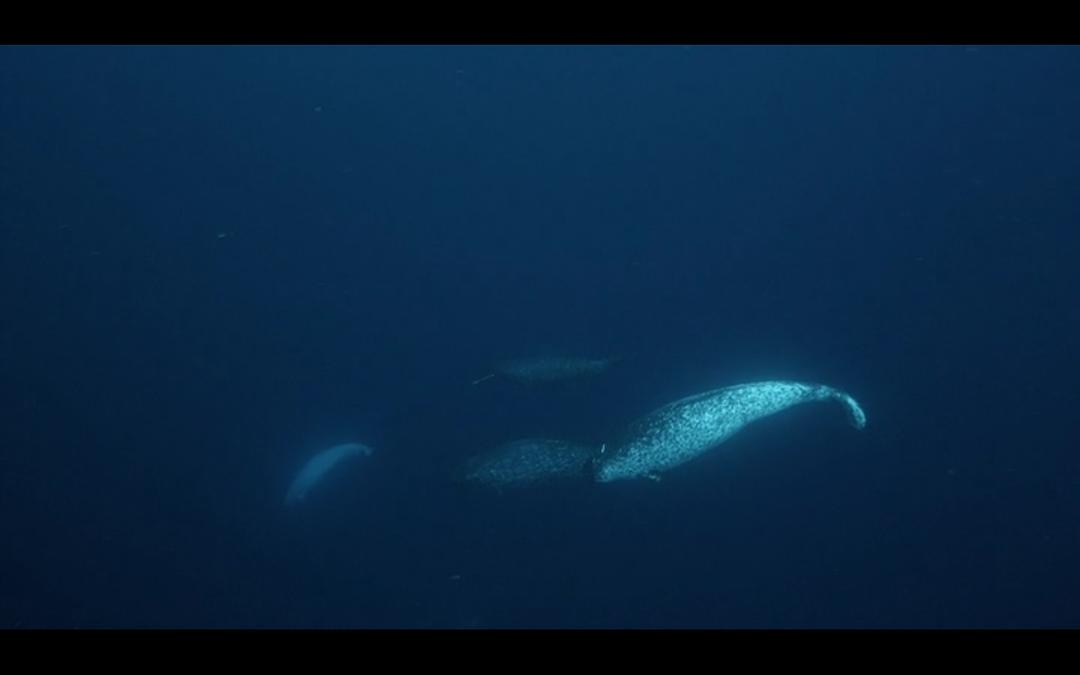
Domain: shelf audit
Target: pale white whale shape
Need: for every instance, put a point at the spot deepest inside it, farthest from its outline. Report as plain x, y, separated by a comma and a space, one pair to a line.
317, 466
680, 431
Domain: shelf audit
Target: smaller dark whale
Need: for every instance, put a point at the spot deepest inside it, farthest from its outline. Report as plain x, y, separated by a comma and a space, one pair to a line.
550, 368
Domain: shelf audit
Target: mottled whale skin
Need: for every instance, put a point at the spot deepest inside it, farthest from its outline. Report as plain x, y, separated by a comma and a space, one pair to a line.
550, 368
318, 466
680, 431
530, 461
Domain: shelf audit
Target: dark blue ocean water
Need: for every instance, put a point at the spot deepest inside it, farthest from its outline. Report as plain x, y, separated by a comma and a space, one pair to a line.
216, 261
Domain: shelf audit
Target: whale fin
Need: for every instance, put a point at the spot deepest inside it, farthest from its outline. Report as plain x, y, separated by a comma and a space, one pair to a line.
653, 477
855, 411
486, 377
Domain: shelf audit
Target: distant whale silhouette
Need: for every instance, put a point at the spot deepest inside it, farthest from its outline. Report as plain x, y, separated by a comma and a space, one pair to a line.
318, 466
530, 461
684, 429
550, 368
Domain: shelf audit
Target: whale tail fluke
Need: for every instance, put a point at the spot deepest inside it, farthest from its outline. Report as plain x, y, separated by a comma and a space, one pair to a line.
855, 412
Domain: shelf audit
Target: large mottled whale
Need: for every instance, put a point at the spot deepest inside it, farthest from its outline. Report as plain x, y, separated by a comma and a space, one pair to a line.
529, 461
317, 466
550, 368
680, 431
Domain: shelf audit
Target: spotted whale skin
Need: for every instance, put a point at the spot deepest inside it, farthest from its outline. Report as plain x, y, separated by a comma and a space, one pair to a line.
680, 431
530, 461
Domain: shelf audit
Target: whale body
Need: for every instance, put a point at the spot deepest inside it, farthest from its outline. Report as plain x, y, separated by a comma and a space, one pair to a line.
680, 431
550, 368
318, 466
529, 461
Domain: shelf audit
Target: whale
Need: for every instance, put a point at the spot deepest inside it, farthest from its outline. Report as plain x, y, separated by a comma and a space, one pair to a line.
317, 467
685, 429
528, 462
550, 368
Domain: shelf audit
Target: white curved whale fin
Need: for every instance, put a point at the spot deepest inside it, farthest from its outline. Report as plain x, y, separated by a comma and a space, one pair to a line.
855, 411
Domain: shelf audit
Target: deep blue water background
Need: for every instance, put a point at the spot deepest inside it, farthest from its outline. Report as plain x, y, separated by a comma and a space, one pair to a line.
216, 261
